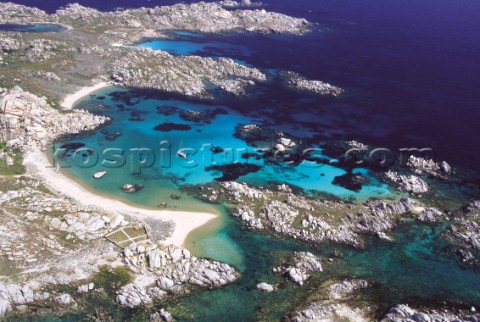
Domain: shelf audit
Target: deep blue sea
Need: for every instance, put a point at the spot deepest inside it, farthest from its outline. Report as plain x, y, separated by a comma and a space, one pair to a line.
411, 74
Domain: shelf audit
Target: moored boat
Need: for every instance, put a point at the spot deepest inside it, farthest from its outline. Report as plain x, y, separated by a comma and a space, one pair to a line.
99, 174
182, 154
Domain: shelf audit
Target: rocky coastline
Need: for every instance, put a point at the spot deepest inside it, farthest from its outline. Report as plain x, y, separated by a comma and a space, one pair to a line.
285, 213
56, 250
111, 56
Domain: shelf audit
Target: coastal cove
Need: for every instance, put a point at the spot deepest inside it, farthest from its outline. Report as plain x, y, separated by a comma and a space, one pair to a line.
224, 161
417, 254
159, 182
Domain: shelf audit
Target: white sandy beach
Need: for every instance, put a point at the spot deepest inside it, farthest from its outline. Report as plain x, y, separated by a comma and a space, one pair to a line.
70, 99
38, 165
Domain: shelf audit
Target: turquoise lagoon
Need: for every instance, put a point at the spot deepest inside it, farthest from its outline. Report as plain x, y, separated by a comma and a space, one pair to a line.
162, 171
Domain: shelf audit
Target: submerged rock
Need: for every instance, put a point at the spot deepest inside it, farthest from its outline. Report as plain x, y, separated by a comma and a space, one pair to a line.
233, 171
167, 127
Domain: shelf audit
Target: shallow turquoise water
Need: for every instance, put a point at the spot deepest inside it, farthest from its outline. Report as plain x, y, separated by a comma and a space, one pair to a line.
189, 47
162, 169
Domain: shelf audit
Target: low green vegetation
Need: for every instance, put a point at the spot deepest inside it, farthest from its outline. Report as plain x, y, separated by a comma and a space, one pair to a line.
17, 167
111, 279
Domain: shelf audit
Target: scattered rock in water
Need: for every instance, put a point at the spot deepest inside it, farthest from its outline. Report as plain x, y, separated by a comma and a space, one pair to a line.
175, 197
297, 82
350, 181
72, 146
113, 137
304, 263
445, 167
201, 117
131, 188
216, 149
167, 127
167, 110
429, 215
232, 172
266, 288
136, 117
162, 316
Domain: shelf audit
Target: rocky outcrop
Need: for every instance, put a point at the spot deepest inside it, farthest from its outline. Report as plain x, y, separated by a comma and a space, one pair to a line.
201, 17
173, 269
39, 50
404, 313
344, 289
428, 214
28, 122
333, 308
75, 11
88, 226
14, 297
303, 264
132, 295
465, 228
243, 3
300, 83
8, 43
315, 223
332, 312
308, 219
15, 13
188, 75
411, 184
427, 166
162, 316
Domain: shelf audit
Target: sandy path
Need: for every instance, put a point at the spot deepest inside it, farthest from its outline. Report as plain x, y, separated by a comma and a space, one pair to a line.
38, 165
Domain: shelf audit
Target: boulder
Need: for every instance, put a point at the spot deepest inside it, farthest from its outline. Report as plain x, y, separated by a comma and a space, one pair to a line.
264, 287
